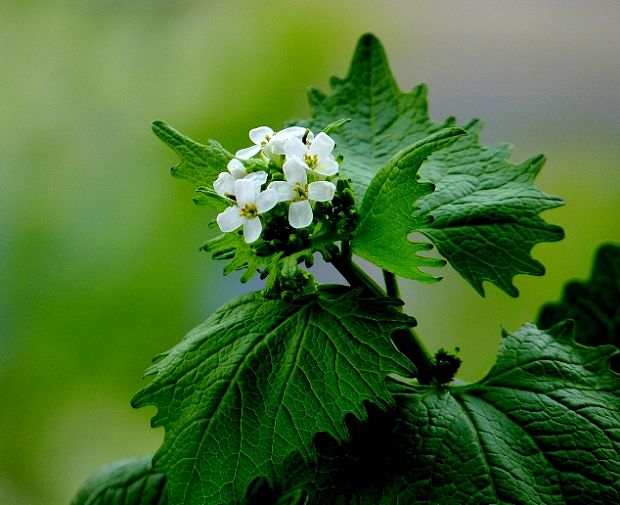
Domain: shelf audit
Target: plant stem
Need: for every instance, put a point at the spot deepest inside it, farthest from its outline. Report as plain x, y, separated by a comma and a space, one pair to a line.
405, 340
391, 284
355, 276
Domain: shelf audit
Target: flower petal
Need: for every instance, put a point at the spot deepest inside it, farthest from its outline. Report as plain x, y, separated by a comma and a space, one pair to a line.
295, 147
257, 135
293, 131
322, 145
283, 189
236, 169
321, 191
300, 214
247, 153
276, 144
266, 201
327, 166
246, 191
295, 171
260, 177
230, 219
224, 184
251, 229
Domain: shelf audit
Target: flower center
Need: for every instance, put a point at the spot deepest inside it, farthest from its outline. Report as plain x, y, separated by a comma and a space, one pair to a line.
312, 160
265, 141
249, 211
301, 191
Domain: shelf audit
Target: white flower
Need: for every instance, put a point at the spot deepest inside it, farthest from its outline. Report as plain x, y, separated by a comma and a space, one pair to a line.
225, 183
268, 141
250, 204
297, 190
315, 155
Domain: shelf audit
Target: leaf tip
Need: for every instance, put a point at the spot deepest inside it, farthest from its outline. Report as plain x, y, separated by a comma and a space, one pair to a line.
160, 128
564, 330
369, 40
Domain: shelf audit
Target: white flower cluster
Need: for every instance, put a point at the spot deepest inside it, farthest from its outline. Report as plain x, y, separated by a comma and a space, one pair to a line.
306, 158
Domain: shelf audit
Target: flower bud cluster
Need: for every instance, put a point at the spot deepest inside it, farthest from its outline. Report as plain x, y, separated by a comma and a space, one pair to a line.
283, 196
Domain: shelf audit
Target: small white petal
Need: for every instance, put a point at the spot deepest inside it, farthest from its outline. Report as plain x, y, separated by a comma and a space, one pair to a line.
276, 144
327, 166
251, 229
300, 214
283, 189
260, 177
236, 169
257, 135
247, 153
295, 171
230, 219
295, 147
309, 138
322, 145
224, 184
321, 191
266, 201
293, 131
246, 191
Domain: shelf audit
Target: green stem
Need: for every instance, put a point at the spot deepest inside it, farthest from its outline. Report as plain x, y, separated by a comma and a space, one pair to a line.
405, 340
355, 276
391, 284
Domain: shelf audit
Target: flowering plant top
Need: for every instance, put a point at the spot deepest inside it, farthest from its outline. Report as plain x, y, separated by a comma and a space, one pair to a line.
306, 163
282, 395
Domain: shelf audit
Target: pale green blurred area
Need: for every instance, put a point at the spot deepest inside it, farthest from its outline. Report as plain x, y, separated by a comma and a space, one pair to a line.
99, 261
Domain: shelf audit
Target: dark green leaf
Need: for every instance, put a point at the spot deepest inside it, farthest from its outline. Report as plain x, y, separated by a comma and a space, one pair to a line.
593, 305
383, 119
543, 427
484, 213
199, 164
259, 379
387, 211
131, 482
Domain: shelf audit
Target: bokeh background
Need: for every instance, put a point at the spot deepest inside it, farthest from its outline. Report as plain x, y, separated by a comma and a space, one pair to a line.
99, 261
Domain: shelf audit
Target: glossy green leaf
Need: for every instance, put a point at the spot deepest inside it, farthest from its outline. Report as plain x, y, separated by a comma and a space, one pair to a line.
387, 211
383, 120
542, 428
131, 482
483, 214
593, 305
257, 380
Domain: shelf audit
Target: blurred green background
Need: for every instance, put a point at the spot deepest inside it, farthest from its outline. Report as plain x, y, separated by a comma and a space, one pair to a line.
99, 261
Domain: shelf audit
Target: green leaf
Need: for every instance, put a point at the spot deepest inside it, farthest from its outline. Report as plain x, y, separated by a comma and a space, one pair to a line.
484, 213
387, 211
199, 164
131, 482
593, 305
208, 197
383, 119
542, 428
259, 378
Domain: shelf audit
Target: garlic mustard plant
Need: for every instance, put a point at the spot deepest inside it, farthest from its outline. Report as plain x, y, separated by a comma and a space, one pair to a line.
307, 393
